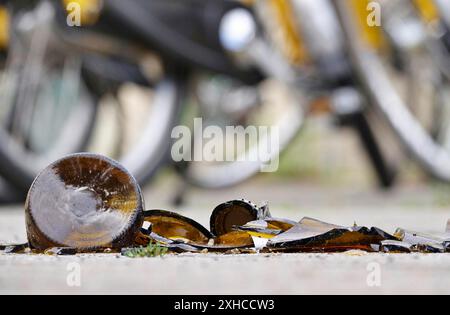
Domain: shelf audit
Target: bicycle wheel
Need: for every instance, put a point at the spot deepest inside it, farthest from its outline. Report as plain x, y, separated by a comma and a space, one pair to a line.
383, 67
153, 147
140, 143
47, 111
273, 103
443, 7
241, 107
135, 122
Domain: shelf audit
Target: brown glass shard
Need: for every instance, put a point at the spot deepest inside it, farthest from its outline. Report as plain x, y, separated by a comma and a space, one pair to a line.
14, 249
314, 235
230, 214
281, 224
430, 248
234, 239
175, 227
395, 247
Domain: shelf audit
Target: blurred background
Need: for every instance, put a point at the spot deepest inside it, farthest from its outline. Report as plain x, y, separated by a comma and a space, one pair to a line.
358, 90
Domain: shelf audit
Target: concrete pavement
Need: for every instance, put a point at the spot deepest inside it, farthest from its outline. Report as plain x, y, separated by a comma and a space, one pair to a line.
423, 208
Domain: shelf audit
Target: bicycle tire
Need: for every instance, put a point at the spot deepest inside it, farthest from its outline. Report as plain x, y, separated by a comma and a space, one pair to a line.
143, 161
20, 166
223, 175
152, 151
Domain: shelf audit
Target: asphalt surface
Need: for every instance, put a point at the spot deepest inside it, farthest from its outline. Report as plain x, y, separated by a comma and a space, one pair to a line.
423, 208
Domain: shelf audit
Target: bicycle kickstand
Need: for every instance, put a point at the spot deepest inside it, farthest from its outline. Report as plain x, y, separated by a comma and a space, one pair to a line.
348, 105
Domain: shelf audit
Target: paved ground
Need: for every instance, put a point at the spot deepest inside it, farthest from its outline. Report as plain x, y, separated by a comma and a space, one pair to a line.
285, 274
422, 208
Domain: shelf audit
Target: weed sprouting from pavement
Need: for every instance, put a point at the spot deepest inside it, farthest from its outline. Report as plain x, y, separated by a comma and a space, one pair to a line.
152, 250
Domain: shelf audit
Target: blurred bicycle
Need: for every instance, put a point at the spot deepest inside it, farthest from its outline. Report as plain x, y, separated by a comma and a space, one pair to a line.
405, 74
261, 63
304, 61
55, 78
46, 109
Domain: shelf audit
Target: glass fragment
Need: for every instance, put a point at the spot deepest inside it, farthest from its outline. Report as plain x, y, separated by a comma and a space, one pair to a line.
239, 226
13, 249
395, 247
421, 241
430, 248
315, 235
228, 215
58, 251
175, 227
268, 228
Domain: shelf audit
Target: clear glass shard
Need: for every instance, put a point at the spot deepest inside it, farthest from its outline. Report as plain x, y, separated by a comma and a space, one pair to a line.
415, 238
307, 228
314, 235
422, 242
268, 228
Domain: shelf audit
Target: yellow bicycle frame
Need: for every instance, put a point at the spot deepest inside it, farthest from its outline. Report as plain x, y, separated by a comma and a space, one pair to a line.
90, 10
427, 10
4, 28
290, 41
293, 47
373, 35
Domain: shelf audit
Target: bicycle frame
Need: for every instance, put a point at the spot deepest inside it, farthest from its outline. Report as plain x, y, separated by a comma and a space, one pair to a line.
379, 88
138, 28
90, 9
372, 35
108, 57
289, 39
321, 27
444, 10
185, 31
4, 27
429, 10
